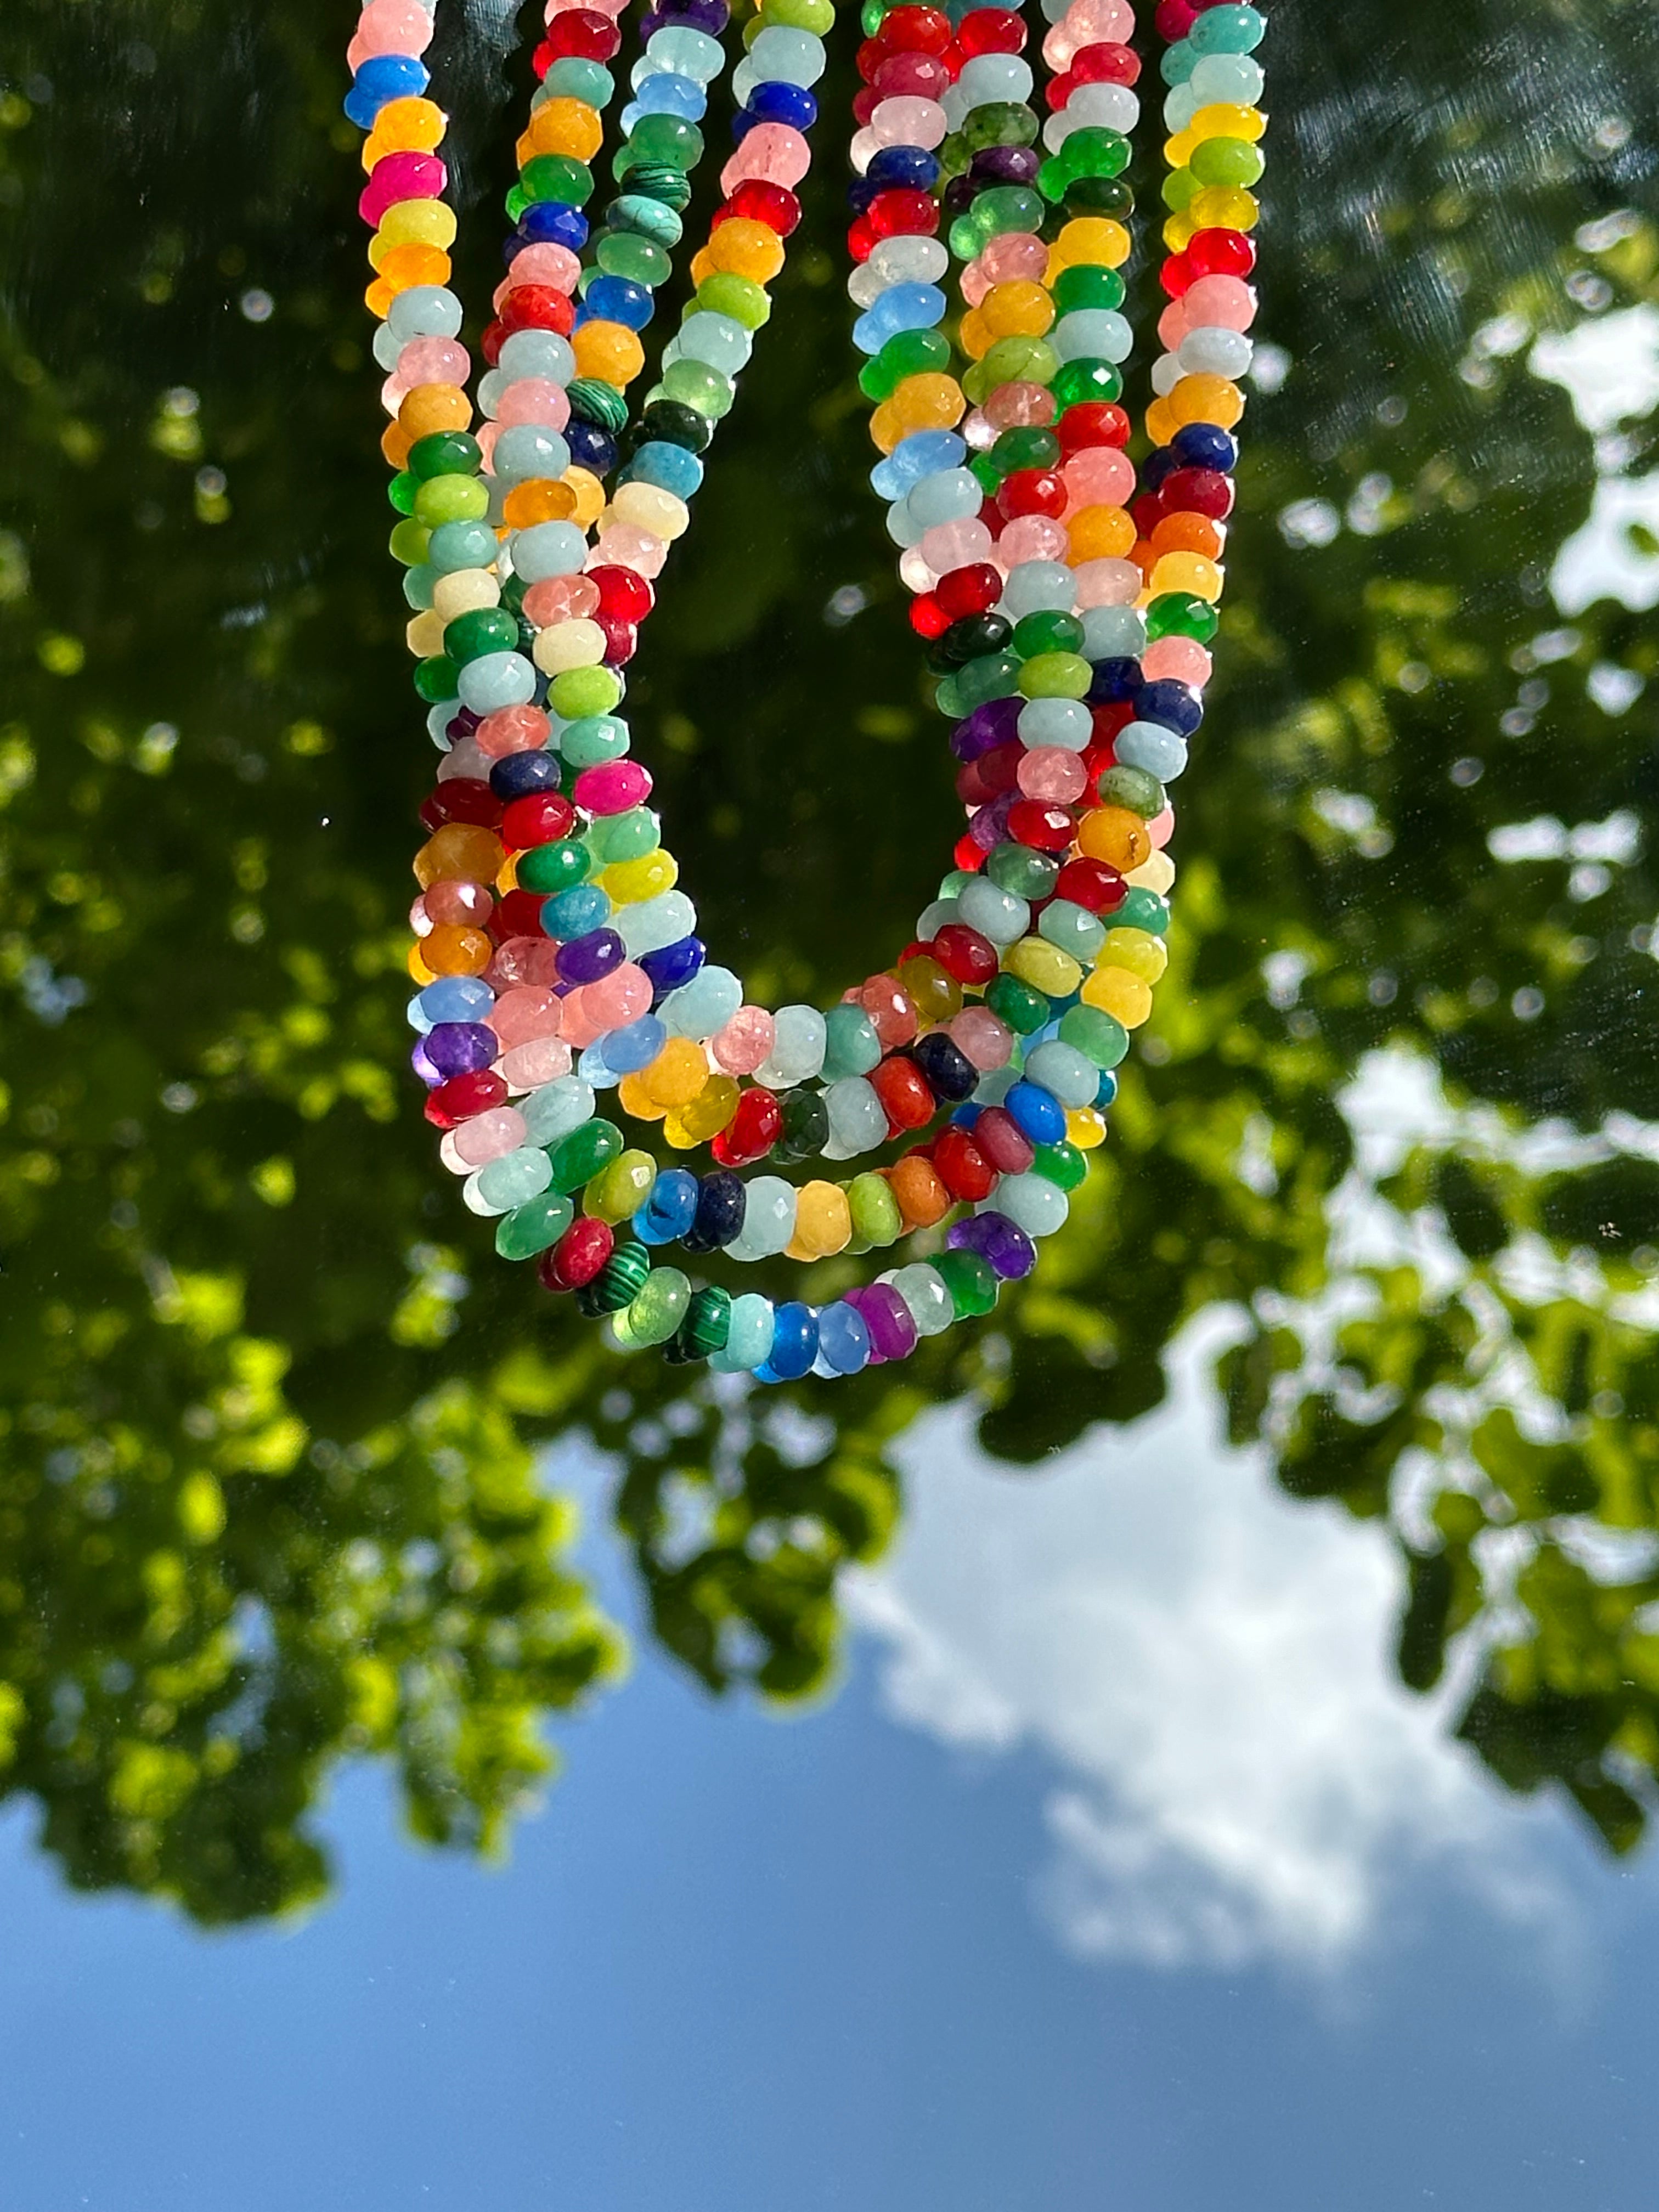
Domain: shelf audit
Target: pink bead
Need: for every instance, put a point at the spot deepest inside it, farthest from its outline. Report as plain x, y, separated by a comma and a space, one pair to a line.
1015, 255
975, 281
773, 152
488, 1136
429, 361
1019, 406
1031, 537
619, 998
486, 434
907, 121
1108, 583
915, 574
863, 150
958, 544
1173, 325
582, 1026
1161, 828
612, 787
534, 400
980, 1037
458, 904
1100, 475
419, 920
464, 760
1088, 23
977, 428
1223, 302
746, 1040
521, 960
513, 729
1182, 658
529, 1009
1050, 773
389, 27
561, 598
625, 545
544, 1060
401, 176
555, 266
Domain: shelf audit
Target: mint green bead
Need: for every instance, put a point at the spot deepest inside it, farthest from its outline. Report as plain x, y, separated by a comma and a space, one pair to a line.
591, 737
923, 1290
451, 499
419, 584
1143, 909
994, 675
1032, 1203
748, 1335
516, 1176
641, 260
575, 693
1095, 1034
1016, 868
577, 1159
1072, 927
694, 384
573, 78
1227, 31
1055, 676
851, 1045
725, 293
658, 1310
535, 1227
622, 836
875, 1211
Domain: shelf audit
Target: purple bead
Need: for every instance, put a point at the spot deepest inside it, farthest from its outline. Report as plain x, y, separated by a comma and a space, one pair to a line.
1007, 165
585, 959
462, 724
421, 1060
891, 1325
995, 723
996, 1239
459, 1048
989, 827
710, 15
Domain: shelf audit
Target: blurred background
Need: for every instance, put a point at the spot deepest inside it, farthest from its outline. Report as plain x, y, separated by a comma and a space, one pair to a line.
1220, 1699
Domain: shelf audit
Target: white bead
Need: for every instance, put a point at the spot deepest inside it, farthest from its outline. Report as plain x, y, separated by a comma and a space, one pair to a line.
1214, 350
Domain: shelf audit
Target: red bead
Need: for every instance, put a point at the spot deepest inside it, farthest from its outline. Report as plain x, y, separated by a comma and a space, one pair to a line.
991, 31
579, 31
1173, 20
578, 1256
927, 617
1033, 491
1146, 511
905, 1093
971, 788
1176, 274
622, 592
464, 1095
756, 201
1220, 254
461, 799
541, 817
620, 639
902, 212
518, 914
751, 1131
869, 58
537, 307
1092, 423
965, 954
1109, 718
1197, 491
918, 948
913, 77
1003, 1142
865, 101
971, 591
961, 1166
1044, 829
861, 241
968, 854
1106, 63
913, 31
1091, 884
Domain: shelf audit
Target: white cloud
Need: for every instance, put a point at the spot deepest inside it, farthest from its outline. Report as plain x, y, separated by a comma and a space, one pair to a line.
1238, 1774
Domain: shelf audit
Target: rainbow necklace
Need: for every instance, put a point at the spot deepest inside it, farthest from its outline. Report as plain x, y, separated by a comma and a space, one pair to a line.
1068, 617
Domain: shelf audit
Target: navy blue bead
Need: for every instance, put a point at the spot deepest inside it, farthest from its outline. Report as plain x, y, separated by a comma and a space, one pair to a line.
1157, 465
722, 1202
670, 1210
859, 193
1038, 1113
384, 78
905, 168
672, 965
1175, 705
615, 300
794, 1344
792, 104
517, 775
550, 223
1204, 445
1114, 681
951, 1074
592, 447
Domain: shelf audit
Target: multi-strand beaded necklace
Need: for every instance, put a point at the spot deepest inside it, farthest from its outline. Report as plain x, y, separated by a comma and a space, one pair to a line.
1067, 617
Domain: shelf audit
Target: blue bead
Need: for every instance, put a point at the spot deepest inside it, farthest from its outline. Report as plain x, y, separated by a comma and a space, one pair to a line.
550, 222
674, 964
843, 1338
776, 102
455, 998
590, 446
636, 1046
664, 92
574, 913
1107, 1092
384, 78
670, 1210
1204, 446
1038, 1112
722, 1202
614, 299
1176, 705
901, 308
923, 453
516, 775
593, 1067
671, 467
1114, 681
904, 169
794, 1344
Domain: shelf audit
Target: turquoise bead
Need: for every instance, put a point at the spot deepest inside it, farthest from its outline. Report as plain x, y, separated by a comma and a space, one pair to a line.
748, 1337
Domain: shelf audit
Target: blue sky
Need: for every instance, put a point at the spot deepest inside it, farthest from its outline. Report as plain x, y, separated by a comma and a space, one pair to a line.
1116, 1876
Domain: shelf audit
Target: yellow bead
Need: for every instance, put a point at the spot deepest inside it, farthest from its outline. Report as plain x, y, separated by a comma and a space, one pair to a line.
575, 644
824, 1222
1156, 873
1085, 1127
636, 1101
1117, 992
934, 992
1187, 572
411, 223
1179, 231
617, 1191
417, 967
1019, 309
1097, 239
743, 248
562, 126
1137, 950
1178, 150
1115, 835
648, 506
677, 1073
1224, 207
424, 636
1100, 533
1207, 399
974, 335
929, 401
609, 351
1160, 424
1225, 121
463, 590
707, 1115
629, 881
1035, 961
586, 493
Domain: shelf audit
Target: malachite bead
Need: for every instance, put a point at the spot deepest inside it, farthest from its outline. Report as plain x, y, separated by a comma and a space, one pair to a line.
533, 1227
661, 180
595, 401
970, 1279
618, 1282
707, 1325
578, 1157
1020, 1006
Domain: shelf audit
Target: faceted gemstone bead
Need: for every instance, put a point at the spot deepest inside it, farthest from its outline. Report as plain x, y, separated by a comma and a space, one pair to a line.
970, 1280
794, 1341
806, 1127
876, 1218
658, 1311
906, 1096
578, 1256
534, 1226
722, 1201
578, 1157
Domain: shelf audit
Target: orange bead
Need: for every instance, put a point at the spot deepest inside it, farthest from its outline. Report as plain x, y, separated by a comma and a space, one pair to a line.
395, 442
608, 350
460, 852
377, 299
1161, 423
976, 335
562, 126
636, 1101
419, 972
1100, 533
402, 267
588, 493
1115, 835
1019, 309
431, 407
408, 126
1205, 400
922, 1198
539, 499
1189, 534
452, 951
743, 248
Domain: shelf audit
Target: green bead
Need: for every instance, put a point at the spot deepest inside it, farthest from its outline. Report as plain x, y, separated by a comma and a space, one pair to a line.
1086, 285
408, 542
1178, 190
401, 491
671, 139
659, 180
1055, 676
592, 739
1048, 631
554, 867
597, 402
533, 1227
625, 254
1095, 1034
445, 453
1015, 867
806, 1127
1175, 614
1020, 358
619, 1192
480, 630
910, 353
1072, 927
575, 692
1137, 789
638, 214
817, 17
991, 676
573, 78
1061, 1165
1229, 162
1020, 1006
435, 679
420, 583
1007, 207
851, 1044
618, 1282
1095, 152
725, 293
971, 1281
557, 177
694, 384
662, 1304
578, 1157
1086, 380
986, 473
1144, 909
451, 499
1110, 196
1024, 448
707, 1325
875, 1211
624, 836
